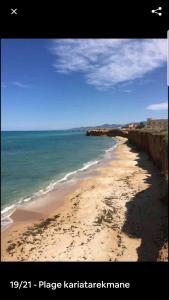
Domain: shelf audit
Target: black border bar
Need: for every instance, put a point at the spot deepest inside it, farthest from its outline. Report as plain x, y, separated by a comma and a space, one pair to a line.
105, 19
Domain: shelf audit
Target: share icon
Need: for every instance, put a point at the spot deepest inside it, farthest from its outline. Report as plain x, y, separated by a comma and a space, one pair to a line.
156, 11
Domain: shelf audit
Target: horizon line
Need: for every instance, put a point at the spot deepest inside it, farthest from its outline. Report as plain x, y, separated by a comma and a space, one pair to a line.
72, 128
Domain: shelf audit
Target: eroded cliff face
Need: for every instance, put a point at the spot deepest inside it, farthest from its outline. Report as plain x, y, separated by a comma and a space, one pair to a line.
152, 143
118, 132
155, 145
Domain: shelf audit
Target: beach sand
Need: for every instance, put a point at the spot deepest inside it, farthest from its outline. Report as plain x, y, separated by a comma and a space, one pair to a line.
115, 215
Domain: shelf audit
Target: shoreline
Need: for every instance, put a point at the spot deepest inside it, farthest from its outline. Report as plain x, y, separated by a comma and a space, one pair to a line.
69, 182
115, 215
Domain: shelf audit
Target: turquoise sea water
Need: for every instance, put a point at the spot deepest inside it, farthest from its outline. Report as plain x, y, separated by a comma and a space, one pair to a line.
32, 160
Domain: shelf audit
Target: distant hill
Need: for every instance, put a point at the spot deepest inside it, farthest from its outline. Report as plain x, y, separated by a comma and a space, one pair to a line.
109, 126
100, 126
106, 126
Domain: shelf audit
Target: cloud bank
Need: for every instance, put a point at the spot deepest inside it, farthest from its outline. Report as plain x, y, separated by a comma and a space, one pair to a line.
158, 106
107, 62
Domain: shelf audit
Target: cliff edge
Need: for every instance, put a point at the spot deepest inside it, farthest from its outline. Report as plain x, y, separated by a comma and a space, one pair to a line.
154, 142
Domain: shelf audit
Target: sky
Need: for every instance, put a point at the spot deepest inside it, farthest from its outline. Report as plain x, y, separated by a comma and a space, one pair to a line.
50, 84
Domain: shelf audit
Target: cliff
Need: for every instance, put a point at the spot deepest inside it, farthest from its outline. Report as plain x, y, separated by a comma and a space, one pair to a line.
98, 131
107, 131
143, 206
155, 143
118, 132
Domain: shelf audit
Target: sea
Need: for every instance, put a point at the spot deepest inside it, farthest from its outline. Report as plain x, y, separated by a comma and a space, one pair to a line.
34, 162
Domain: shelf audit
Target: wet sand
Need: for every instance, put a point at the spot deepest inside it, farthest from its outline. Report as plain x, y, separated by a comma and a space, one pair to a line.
115, 215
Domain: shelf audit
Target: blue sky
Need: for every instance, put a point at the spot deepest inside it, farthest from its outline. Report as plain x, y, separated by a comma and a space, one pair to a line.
59, 84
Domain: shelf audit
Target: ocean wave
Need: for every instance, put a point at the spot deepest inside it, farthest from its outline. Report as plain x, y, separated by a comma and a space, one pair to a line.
7, 208
109, 151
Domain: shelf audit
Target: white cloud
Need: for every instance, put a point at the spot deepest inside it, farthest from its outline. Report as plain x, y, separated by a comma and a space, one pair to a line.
158, 106
20, 84
106, 62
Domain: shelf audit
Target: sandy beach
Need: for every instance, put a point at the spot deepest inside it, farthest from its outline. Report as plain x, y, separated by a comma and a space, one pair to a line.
116, 215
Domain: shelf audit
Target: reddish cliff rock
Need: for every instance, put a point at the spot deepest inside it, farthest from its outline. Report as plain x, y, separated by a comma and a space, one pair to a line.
154, 144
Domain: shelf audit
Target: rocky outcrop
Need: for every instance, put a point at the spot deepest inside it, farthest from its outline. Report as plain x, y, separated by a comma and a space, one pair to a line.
118, 132
106, 131
97, 132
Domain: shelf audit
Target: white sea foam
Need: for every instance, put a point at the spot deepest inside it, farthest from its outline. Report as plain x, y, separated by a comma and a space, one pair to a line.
5, 216
6, 222
109, 151
26, 199
6, 209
